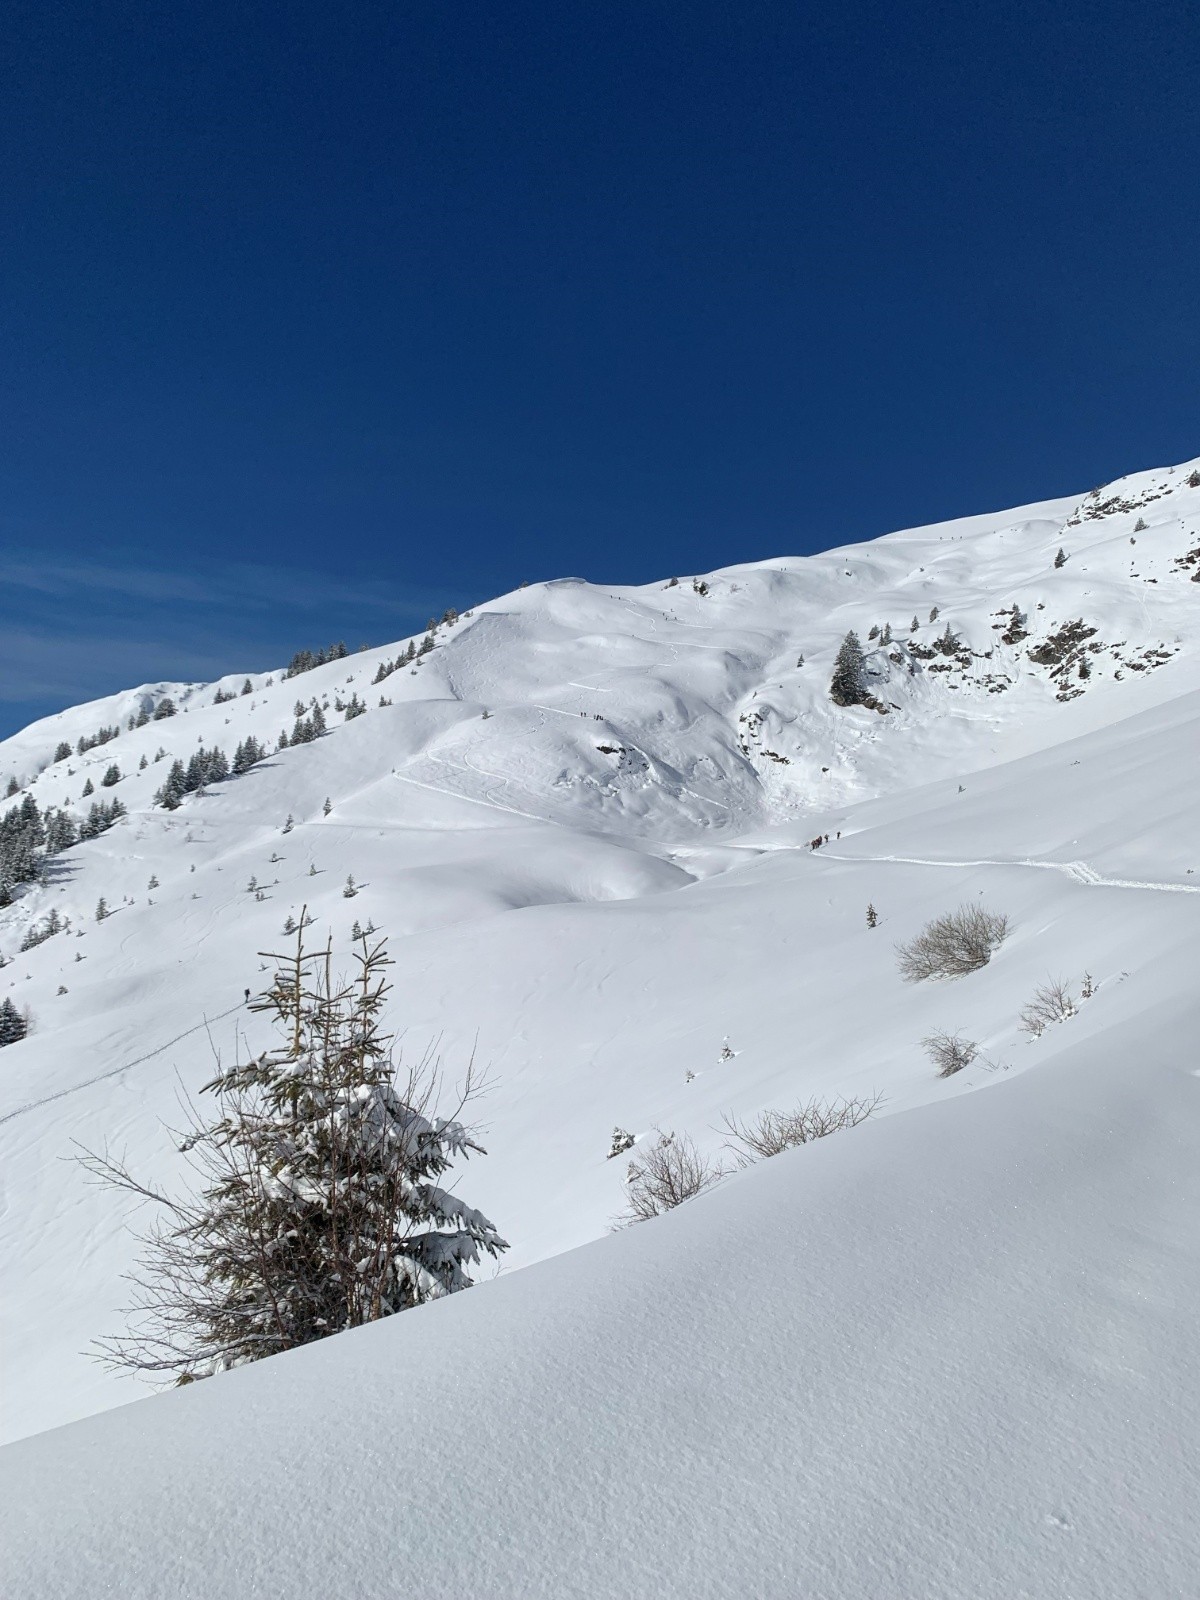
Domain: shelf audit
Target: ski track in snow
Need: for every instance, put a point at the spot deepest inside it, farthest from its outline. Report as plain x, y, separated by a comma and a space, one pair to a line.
115, 1072
1078, 870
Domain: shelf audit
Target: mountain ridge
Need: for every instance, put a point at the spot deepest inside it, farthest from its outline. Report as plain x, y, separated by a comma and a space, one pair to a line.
607, 879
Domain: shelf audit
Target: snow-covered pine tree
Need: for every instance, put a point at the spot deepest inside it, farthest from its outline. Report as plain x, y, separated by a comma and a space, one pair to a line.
13, 1026
88, 788
62, 751
174, 789
847, 687
948, 643
319, 1204
62, 831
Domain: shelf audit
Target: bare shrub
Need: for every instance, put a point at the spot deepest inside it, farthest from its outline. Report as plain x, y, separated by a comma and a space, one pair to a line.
1052, 1002
962, 941
776, 1131
670, 1171
949, 1052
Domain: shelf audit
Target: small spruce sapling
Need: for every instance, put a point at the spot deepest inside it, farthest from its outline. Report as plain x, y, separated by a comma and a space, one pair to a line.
319, 1203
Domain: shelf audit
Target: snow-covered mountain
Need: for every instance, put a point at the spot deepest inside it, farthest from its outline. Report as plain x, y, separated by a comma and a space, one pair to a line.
585, 818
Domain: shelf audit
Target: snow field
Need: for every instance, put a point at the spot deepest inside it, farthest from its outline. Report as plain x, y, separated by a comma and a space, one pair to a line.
930, 1356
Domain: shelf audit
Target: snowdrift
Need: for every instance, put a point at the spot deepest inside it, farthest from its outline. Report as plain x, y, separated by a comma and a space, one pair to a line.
949, 1353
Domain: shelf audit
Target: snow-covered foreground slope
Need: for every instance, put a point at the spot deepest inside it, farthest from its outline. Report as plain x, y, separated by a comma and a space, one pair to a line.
951, 1353
603, 881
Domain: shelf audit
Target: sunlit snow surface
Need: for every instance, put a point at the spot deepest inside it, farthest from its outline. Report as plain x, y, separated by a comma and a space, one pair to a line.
953, 1352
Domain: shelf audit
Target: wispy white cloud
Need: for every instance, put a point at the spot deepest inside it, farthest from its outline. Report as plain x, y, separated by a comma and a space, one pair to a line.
237, 584
71, 631
37, 665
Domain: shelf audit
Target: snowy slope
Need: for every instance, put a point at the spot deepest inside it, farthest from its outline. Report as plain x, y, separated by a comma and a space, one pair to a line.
604, 879
951, 1353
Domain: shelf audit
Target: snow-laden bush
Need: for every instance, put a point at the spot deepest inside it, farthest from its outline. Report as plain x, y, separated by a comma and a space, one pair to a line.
949, 1052
670, 1171
775, 1131
962, 941
318, 1204
1052, 1002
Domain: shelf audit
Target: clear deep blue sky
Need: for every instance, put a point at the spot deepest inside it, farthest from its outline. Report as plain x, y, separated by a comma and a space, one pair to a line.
319, 318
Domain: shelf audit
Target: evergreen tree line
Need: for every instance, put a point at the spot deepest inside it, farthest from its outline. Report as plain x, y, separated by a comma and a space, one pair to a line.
224, 696
414, 652
101, 736
248, 754
165, 708
305, 728
41, 931
386, 668
305, 661
205, 766
27, 838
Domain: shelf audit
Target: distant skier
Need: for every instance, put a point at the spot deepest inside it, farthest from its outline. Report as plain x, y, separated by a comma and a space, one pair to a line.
247, 997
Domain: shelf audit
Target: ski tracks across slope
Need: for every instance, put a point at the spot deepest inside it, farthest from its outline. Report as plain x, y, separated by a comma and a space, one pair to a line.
1079, 871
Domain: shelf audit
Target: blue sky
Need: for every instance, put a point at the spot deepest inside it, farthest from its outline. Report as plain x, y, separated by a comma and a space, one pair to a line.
318, 319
